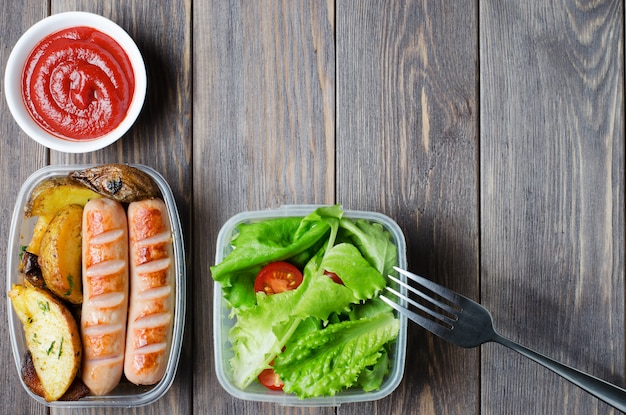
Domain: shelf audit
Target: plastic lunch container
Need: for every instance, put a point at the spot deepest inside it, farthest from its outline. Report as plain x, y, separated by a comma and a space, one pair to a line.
125, 394
222, 321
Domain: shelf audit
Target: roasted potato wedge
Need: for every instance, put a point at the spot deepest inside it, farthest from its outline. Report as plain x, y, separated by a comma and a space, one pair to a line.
60, 254
40, 229
52, 194
48, 198
119, 182
30, 267
30, 376
52, 337
76, 391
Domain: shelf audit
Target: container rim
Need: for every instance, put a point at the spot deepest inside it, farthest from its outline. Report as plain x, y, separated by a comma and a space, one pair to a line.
145, 395
221, 318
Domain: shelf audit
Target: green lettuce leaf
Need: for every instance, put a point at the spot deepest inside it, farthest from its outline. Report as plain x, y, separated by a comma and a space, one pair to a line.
372, 377
326, 361
323, 296
261, 330
374, 242
355, 324
259, 243
259, 334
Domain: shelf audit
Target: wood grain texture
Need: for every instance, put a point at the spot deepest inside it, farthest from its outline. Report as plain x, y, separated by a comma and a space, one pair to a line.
407, 147
263, 137
552, 185
491, 131
19, 157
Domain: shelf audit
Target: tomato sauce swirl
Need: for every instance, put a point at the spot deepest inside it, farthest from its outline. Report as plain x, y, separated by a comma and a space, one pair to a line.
78, 83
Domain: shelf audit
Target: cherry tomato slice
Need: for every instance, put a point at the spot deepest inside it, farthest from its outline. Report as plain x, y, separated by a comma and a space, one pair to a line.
270, 379
277, 277
333, 277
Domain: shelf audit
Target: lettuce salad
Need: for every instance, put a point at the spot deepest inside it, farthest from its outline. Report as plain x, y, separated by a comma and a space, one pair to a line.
322, 337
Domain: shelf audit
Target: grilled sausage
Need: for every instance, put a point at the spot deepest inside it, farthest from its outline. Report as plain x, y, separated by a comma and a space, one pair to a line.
105, 294
150, 316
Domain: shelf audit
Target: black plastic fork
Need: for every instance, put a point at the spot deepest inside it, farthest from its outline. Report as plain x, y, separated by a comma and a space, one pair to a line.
466, 323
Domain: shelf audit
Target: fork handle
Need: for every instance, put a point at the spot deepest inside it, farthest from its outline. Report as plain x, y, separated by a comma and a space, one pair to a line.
605, 391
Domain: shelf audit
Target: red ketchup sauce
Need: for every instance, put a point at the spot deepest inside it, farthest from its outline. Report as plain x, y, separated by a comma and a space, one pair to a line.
78, 83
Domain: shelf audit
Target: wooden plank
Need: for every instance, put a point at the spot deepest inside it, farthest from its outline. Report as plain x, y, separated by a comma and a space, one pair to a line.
19, 157
552, 188
263, 137
407, 147
161, 137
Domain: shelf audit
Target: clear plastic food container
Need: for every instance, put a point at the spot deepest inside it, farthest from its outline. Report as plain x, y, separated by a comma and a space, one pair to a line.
125, 394
222, 322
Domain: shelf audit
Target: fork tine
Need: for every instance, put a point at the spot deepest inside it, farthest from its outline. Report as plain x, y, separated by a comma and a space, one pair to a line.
424, 296
426, 323
446, 293
444, 319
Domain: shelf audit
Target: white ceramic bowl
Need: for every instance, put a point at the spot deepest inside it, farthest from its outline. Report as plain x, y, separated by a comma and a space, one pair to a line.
23, 48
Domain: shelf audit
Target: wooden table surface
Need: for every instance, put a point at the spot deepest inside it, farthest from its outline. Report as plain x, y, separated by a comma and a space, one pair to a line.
491, 131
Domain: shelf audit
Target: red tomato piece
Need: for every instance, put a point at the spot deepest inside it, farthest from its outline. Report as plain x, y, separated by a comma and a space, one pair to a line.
270, 379
277, 277
333, 277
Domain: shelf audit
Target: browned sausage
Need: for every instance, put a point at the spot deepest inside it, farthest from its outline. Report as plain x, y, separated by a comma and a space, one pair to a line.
150, 315
105, 294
